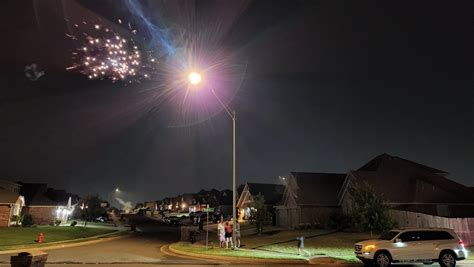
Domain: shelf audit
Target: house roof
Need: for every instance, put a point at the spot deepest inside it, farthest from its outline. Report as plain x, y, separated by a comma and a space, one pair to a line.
272, 193
393, 188
380, 160
188, 198
318, 188
8, 197
35, 194
403, 189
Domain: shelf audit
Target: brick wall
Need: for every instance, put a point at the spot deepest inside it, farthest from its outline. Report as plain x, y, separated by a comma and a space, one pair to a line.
4, 215
41, 215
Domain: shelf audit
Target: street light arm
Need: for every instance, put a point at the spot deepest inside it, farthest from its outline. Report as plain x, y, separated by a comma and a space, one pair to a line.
230, 111
226, 107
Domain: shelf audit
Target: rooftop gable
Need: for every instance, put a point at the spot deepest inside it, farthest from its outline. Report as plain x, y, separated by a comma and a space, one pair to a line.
8, 197
272, 193
381, 160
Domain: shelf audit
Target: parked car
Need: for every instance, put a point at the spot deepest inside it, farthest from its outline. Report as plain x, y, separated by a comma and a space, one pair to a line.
421, 245
217, 216
101, 219
172, 220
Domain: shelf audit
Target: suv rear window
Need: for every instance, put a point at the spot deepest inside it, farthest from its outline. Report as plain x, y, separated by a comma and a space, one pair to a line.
425, 235
438, 235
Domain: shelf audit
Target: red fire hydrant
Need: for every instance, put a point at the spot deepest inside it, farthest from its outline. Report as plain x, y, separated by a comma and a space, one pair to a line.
40, 238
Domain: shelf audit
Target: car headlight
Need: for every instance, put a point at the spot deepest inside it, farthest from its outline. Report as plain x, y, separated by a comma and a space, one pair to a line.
369, 247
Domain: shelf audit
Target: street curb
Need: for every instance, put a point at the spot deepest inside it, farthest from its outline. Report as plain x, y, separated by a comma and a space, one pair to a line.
235, 259
165, 249
66, 243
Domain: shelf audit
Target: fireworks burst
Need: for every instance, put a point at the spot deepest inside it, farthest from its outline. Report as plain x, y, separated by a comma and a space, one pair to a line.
106, 54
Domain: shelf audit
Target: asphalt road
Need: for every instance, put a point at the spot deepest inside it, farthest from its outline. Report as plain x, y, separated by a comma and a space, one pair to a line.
137, 248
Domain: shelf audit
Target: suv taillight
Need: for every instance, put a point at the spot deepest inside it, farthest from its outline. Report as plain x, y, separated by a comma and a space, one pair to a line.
461, 243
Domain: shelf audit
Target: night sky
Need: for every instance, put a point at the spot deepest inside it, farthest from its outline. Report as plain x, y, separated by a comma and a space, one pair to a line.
329, 85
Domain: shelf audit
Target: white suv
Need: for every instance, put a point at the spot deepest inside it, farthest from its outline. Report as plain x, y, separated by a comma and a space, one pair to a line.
425, 245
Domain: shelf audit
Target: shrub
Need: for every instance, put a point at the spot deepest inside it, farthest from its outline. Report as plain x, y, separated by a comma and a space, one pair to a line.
73, 223
369, 210
259, 214
57, 222
27, 220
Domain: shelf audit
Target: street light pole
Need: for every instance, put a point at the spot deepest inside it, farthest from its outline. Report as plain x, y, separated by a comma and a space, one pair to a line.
195, 79
234, 218
233, 116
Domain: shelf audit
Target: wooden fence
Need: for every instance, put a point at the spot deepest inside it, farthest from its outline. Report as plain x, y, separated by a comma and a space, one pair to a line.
464, 227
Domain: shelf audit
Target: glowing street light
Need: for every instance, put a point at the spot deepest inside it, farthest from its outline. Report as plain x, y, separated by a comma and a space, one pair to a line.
194, 78
117, 190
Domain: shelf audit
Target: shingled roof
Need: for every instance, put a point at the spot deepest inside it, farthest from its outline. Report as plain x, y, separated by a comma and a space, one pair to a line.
317, 188
400, 181
35, 194
8, 197
382, 160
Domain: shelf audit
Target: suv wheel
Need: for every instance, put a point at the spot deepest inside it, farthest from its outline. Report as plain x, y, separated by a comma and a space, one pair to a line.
447, 259
382, 259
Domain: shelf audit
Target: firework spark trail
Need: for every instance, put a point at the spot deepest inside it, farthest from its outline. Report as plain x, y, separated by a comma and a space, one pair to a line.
105, 54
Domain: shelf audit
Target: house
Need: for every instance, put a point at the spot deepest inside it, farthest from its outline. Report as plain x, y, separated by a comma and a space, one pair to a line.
187, 201
410, 186
272, 195
46, 205
309, 198
152, 206
11, 203
224, 202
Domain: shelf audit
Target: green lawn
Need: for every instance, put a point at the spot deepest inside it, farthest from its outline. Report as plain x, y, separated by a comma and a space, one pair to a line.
13, 236
277, 243
246, 253
336, 245
271, 235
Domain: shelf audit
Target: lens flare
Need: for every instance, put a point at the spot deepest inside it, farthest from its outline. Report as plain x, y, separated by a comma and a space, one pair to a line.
194, 78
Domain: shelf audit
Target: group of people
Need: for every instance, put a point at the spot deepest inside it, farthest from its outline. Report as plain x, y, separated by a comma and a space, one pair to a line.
225, 231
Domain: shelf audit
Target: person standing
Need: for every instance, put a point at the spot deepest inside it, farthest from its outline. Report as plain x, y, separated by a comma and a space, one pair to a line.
200, 224
300, 244
237, 234
221, 233
228, 235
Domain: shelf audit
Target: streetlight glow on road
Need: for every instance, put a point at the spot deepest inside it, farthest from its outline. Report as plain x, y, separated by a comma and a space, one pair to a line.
194, 78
